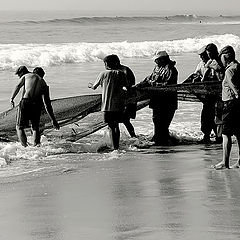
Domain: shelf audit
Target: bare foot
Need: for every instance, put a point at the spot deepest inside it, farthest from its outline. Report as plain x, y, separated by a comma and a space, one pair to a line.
219, 166
236, 165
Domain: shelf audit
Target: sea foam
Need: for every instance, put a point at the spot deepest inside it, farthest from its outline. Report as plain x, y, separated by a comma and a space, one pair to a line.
31, 55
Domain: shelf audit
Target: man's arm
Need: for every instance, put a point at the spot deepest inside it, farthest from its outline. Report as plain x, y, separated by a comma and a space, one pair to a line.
48, 107
97, 82
16, 90
229, 75
206, 75
130, 77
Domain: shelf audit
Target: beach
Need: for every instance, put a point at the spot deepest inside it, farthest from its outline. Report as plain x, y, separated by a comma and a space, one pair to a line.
71, 190
164, 193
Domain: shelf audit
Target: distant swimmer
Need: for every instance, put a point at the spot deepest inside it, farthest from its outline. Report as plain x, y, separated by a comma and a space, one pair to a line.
35, 92
113, 81
231, 106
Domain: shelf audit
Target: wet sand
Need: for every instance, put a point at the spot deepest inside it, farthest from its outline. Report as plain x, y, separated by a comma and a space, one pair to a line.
166, 193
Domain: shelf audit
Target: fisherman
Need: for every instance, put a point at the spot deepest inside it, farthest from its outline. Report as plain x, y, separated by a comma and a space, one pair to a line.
213, 105
207, 74
35, 91
131, 107
46, 97
231, 106
200, 69
208, 110
113, 81
214, 65
163, 104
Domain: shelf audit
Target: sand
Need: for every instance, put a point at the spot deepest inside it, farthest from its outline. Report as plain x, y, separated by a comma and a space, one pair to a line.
165, 193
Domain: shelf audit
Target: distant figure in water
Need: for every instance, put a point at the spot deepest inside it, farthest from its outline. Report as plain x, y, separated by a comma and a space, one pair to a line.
35, 93
231, 106
131, 108
163, 104
113, 81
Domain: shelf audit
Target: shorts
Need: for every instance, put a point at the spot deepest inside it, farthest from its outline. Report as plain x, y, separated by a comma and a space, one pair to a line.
231, 118
28, 112
112, 117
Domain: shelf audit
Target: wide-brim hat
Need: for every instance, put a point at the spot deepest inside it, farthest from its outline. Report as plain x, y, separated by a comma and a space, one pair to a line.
160, 54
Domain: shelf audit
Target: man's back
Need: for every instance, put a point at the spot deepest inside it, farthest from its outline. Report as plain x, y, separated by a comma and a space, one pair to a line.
231, 82
112, 82
129, 74
34, 86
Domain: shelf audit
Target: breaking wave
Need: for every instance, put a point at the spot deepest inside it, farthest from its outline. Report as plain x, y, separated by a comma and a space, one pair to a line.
31, 55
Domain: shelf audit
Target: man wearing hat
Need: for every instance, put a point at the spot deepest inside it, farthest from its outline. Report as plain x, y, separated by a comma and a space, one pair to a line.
201, 68
163, 104
30, 106
206, 70
208, 110
231, 105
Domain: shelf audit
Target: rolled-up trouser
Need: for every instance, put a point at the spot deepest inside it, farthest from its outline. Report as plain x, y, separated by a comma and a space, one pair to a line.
231, 117
208, 118
162, 118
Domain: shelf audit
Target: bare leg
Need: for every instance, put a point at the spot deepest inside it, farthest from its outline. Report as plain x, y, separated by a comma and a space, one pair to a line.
114, 133
36, 137
237, 164
227, 146
129, 127
22, 137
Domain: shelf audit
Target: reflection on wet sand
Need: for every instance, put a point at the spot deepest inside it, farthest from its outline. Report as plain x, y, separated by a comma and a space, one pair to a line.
135, 196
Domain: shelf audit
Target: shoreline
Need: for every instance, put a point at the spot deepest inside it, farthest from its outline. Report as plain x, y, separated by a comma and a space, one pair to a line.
144, 196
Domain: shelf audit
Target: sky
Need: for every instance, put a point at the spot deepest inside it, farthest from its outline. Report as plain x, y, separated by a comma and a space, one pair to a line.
179, 6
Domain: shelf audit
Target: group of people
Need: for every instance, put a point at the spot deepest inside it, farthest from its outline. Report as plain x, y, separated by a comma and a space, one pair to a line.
222, 115
35, 94
210, 68
117, 81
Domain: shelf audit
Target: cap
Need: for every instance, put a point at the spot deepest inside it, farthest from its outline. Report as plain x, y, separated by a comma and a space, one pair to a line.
227, 50
21, 69
201, 50
161, 54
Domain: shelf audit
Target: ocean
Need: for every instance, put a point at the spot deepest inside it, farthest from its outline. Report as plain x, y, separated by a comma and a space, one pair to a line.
70, 47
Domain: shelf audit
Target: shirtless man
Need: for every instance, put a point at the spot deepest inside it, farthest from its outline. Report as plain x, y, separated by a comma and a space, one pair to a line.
35, 91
